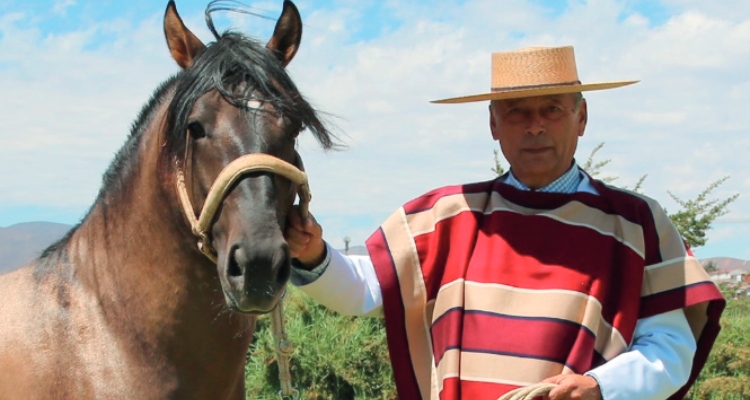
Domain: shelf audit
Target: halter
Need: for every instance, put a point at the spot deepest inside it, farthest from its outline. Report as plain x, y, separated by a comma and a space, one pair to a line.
201, 226
229, 175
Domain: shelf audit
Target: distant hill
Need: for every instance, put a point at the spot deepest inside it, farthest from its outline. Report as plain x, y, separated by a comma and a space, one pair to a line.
728, 263
21, 243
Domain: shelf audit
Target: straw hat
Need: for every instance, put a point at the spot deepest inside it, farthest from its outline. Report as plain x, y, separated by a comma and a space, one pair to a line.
534, 71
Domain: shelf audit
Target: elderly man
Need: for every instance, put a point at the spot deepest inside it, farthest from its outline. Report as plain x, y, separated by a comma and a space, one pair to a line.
544, 274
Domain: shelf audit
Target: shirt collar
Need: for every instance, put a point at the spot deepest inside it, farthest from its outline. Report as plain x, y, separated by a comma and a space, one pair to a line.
567, 183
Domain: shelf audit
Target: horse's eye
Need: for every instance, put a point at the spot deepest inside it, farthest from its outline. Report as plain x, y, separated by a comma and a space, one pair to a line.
196, 130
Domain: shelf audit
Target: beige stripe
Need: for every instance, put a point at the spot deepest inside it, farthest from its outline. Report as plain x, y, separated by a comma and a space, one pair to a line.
449, 367
449, 206
561, 304
573, 213
576, 213
673, 274
671, 245
414, 295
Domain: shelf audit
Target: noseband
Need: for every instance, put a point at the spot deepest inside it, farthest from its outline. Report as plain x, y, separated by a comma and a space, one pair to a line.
201, 225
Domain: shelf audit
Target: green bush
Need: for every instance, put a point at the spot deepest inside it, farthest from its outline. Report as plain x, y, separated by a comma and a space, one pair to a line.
335, 357
726, 375
339, 357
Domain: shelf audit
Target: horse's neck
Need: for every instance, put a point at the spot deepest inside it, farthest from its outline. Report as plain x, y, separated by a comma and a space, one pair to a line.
136, 254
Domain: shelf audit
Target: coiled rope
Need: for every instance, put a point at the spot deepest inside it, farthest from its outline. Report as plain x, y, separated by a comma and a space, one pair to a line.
529, 392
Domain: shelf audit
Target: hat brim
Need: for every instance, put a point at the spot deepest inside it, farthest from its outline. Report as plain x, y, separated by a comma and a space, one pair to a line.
533, 92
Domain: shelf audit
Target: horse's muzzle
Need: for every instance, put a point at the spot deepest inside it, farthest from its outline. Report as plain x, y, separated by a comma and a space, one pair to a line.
254, 278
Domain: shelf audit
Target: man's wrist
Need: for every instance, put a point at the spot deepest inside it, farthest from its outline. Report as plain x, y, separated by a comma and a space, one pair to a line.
311, 264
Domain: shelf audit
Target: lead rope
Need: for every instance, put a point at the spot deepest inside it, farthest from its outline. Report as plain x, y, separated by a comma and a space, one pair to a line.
529, 392
284, 351
201, 224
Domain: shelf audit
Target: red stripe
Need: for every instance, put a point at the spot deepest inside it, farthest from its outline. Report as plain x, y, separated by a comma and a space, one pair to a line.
460, 231
678, 298
428, 200
452, 390
483, 390
552, 340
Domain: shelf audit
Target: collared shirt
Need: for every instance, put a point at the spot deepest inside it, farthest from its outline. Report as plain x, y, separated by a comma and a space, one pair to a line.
567, 183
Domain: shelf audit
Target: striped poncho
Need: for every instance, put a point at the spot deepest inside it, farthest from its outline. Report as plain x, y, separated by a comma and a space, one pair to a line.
487, 288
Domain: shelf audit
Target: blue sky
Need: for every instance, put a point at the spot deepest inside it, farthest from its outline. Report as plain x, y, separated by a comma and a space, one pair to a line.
75, 74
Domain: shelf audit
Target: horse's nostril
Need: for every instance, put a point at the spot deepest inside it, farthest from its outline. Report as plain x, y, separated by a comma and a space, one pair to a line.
233, 267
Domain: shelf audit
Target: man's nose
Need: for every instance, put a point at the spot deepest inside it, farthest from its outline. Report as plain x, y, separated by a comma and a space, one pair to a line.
535, 122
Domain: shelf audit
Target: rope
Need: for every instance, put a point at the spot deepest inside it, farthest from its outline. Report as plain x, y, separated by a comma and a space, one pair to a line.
529, 392
284, 351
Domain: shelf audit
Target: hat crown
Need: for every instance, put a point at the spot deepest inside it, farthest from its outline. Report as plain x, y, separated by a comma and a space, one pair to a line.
534, 67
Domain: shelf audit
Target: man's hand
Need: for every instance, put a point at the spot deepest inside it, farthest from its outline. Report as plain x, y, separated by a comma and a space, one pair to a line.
305, 238
574, 387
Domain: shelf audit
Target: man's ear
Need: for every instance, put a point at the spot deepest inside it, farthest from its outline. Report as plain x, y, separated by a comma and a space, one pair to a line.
494, 127
583, 114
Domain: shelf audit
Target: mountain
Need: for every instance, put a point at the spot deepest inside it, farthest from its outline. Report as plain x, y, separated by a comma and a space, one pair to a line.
727, 263
21, 243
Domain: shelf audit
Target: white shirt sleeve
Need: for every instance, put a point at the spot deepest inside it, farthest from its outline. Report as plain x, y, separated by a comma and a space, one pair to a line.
348, 285
657, 363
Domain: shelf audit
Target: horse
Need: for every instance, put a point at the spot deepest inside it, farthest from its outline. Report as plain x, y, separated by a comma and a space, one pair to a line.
127, 305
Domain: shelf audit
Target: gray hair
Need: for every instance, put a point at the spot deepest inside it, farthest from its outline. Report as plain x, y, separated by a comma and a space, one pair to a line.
577, 101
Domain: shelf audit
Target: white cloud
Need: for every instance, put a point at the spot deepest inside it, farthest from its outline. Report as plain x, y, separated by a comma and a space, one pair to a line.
71, 106
61, 6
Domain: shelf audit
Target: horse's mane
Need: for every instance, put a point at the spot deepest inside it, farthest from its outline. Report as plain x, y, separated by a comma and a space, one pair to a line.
240, 68
235, 65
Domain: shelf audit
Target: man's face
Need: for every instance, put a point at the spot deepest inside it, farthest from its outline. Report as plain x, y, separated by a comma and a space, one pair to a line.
538, 135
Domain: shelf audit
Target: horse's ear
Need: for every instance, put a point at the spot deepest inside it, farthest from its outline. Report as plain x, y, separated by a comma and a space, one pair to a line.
183, 44
287, 34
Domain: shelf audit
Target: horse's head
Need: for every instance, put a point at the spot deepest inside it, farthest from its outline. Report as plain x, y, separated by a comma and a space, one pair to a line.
234, 98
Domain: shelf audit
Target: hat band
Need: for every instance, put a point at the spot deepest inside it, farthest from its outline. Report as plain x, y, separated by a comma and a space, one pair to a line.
542, 86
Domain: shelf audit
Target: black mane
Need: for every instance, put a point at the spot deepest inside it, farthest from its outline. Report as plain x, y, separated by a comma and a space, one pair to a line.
237, 66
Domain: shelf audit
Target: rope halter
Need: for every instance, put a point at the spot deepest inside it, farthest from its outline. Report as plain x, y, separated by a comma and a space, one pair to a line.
201, 226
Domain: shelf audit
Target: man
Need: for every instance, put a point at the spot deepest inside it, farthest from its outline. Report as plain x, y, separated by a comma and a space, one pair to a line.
544, 274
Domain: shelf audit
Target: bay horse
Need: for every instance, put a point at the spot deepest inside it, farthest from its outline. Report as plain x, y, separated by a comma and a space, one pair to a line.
126, 306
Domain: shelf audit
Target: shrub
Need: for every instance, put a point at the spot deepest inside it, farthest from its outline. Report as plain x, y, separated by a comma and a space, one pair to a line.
335, 357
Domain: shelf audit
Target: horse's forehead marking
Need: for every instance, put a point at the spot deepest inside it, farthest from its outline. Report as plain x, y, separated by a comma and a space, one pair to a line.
254, 104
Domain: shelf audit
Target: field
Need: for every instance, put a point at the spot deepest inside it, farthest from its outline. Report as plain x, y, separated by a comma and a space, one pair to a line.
346, 358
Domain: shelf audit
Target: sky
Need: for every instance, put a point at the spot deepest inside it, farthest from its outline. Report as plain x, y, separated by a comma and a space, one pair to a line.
74, 74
